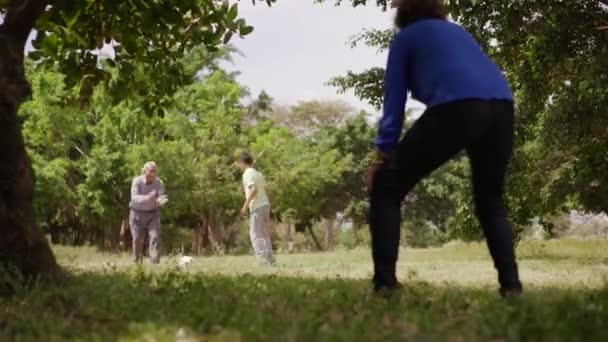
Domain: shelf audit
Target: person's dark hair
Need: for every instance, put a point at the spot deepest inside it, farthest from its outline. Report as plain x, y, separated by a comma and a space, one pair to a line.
245, 157
410, 11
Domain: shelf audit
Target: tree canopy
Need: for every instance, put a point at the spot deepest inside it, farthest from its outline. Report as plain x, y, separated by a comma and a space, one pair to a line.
554, 54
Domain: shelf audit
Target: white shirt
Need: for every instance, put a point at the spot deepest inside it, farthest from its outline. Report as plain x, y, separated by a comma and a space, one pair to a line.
253, 179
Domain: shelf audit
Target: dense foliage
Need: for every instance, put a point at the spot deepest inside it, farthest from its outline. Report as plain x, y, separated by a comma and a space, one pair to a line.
84, 159
555, 54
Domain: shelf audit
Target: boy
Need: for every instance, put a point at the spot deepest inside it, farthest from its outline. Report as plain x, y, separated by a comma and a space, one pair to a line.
258, 205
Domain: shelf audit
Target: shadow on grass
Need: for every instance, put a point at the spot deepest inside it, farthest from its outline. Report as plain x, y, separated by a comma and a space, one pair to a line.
134, 304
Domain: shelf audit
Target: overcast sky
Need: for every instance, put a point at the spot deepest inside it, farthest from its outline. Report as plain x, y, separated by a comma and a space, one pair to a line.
298, 45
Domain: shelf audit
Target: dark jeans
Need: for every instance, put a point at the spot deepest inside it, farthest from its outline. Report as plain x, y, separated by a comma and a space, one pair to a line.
485, 130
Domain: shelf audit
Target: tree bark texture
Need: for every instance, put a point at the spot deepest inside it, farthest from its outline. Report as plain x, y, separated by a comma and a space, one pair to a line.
22, 244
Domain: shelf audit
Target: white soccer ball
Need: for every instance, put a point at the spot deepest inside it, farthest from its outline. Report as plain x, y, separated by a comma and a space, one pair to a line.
184, 261
162, 200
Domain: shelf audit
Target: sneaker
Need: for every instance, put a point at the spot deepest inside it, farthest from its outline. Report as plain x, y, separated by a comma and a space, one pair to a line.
266, 262
510, 292
387, 290
272, 261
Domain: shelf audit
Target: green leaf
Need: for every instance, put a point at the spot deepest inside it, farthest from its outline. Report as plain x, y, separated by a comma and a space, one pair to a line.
70, 21
245, 30
227, 37
233, 12
35, 55
50, 45
110, 62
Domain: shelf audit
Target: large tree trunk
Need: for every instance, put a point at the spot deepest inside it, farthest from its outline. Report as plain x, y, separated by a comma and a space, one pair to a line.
213, 238
55, 232
314, 238
329, 235
289, 235
97, 237
204, 233
21, 243
79, 233
215, 234
114, 237
127, 239
196, 241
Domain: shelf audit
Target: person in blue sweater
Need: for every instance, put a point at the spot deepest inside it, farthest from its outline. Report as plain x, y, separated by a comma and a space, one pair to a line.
469, 107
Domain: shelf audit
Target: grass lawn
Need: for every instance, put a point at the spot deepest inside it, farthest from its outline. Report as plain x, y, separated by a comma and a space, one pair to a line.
450, 294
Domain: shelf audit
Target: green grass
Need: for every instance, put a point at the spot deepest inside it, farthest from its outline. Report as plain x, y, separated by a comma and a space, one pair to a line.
450, 294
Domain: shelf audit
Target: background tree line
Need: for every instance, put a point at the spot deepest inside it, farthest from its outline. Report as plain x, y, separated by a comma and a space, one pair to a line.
315, 155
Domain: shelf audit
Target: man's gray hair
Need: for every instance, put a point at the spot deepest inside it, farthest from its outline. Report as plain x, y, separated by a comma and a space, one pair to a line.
147, 166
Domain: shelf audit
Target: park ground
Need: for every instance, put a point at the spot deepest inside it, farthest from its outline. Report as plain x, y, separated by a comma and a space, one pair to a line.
449, 295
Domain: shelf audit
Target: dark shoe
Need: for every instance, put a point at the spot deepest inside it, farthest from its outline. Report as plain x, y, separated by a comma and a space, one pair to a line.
510, 292
387, 290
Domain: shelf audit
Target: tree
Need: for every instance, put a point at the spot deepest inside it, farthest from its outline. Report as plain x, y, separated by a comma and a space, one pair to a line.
55, 132
368, 85
333, 126
354, 140
555, 55
297, 172
443, 198
104, 145
86, 159
259, 108
202, 130
155, 35
307, 117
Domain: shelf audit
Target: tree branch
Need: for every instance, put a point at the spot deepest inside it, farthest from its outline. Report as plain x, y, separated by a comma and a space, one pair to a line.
21, 17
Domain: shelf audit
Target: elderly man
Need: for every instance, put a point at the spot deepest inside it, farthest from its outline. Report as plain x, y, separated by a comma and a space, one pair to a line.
147, 197
258, 205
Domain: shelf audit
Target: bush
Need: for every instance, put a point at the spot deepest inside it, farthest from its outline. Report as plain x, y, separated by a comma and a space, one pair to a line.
242, 243
174, 239
354, 238
534, 232
420, 235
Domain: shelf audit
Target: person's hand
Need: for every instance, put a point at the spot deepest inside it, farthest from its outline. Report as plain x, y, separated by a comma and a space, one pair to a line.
152, 194
244, 210
162, 200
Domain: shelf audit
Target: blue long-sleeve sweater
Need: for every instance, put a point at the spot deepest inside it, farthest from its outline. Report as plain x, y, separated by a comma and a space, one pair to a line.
439, 62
